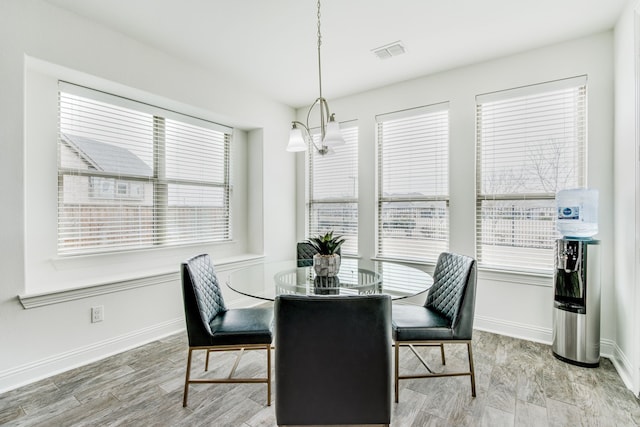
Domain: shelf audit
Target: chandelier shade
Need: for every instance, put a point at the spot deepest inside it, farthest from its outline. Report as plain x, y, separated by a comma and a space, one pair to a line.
333, 135
296, 140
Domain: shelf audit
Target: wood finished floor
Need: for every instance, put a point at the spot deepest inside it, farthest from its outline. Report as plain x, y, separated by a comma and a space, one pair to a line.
519, 383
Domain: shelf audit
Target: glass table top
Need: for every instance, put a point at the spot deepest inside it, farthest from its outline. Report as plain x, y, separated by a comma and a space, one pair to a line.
356, 277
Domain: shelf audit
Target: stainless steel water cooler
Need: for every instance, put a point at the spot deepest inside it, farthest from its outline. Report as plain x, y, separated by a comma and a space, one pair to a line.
576, 304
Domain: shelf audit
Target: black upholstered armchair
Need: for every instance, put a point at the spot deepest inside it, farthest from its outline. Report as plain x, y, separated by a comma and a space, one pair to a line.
333, 359
445, 318
305, 253
213, 327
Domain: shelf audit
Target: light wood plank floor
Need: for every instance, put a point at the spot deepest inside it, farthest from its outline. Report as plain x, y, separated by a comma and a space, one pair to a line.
519, 383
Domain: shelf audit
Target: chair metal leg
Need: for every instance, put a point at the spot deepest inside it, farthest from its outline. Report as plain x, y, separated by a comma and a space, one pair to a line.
206, 361
397, 371
432, 374
421, 359
230, 379
472, 370
268, 375
186, 380
236, 363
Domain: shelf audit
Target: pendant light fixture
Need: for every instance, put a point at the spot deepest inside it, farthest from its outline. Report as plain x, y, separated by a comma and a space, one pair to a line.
330, 136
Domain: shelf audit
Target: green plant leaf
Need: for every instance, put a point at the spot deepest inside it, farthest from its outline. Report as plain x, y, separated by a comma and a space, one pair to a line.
326, 244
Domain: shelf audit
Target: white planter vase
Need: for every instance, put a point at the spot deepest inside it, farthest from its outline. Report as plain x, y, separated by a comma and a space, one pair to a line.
326, 265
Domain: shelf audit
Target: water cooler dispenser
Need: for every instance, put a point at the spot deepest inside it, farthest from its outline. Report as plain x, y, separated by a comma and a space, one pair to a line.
576, 304
576, 283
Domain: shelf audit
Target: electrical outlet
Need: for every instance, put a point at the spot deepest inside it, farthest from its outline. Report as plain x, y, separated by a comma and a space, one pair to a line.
97, 314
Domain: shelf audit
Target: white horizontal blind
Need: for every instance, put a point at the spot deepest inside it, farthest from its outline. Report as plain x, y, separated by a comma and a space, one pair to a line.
413, 183
130, 177
399, 279
197, 172
530, 144
333, 190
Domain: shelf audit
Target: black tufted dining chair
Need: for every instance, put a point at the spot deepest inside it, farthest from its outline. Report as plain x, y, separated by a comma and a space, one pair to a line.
212, 327
305, 253
445, 318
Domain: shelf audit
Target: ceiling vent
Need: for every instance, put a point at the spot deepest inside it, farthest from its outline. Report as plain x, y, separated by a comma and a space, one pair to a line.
387, 51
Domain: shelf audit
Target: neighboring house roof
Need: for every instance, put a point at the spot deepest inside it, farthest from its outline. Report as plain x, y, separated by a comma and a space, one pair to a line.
107, 157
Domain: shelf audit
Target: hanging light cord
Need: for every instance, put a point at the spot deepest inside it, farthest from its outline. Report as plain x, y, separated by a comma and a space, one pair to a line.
319, 44
322, 118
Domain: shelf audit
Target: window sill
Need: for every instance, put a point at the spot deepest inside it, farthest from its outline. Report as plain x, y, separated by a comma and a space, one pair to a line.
496, 275
29, 301
519, 277
404, 261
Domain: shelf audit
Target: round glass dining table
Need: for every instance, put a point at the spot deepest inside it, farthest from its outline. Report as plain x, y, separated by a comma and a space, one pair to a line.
356, 277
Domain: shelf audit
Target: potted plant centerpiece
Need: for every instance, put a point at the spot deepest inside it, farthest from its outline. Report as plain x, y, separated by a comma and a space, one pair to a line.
327, 261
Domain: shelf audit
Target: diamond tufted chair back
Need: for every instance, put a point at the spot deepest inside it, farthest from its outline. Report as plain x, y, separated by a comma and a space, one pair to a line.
453, 292
202, 298
305, 253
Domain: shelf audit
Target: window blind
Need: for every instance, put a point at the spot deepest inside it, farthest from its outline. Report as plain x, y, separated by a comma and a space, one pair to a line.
333, 190
531, 142
134, 176
413, 183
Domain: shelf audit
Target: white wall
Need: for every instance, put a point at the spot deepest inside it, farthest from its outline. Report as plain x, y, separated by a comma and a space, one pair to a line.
626, 211
40, 43
510, 304
36, 342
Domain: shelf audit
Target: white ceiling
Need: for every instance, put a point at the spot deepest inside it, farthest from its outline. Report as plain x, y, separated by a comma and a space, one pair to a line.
271, 44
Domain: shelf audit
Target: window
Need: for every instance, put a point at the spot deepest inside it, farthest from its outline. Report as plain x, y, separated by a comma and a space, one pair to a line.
413, 183
133, 176
530, 144
333, 190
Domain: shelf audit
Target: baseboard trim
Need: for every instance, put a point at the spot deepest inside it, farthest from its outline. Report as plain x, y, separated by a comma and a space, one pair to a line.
623, 366
533, 333
44, 368
513, 329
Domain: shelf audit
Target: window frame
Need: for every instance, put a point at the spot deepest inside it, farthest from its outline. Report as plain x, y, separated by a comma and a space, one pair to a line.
159, 179
538, 205
429, 112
